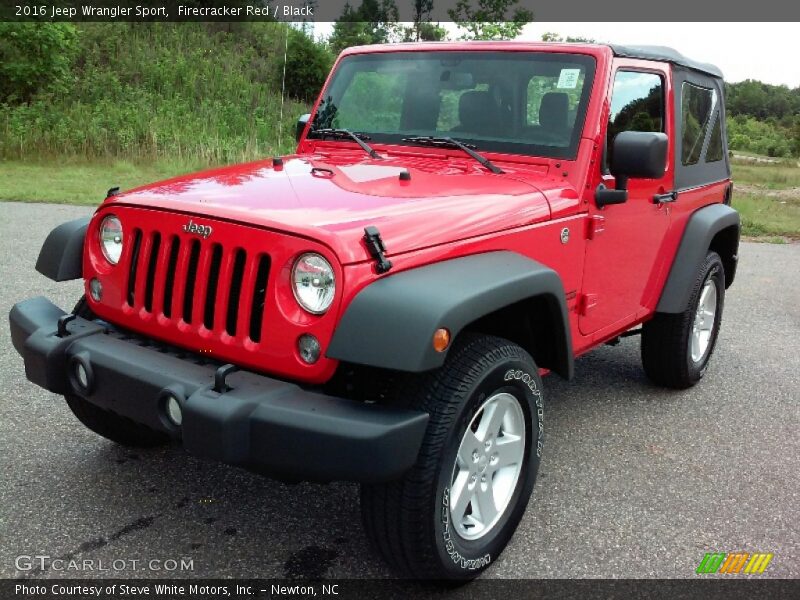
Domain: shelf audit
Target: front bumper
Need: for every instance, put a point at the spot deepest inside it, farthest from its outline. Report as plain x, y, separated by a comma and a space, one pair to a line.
253, 421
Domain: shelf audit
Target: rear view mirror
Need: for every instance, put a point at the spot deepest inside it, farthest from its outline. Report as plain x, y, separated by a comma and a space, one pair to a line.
300, 127
456, 80
637, 155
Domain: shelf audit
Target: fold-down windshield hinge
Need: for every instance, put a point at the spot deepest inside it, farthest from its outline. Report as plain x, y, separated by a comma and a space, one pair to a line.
376, 248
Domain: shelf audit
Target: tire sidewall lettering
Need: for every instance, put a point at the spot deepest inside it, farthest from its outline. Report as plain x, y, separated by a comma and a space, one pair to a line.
469, 564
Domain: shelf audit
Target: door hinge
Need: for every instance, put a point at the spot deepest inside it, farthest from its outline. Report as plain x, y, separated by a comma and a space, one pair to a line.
596, 225
587, 303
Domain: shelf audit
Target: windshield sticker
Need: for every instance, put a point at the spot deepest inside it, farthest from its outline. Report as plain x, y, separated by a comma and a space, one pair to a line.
568, 80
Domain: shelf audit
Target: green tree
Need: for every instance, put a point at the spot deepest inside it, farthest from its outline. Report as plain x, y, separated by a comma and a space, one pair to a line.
34, 58
554, 37
489, 19
371, 23
422, 28
423, 32
307, 65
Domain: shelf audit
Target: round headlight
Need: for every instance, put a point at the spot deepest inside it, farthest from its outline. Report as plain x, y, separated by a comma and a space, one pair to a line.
111, 239
313, 283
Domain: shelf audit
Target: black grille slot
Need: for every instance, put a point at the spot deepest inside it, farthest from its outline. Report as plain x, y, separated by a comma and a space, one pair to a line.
191, 278
259, 295
169, 281
235, 291
211, 289
151, 272
137, 242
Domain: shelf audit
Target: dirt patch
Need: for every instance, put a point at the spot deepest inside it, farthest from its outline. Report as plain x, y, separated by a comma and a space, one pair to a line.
792, 193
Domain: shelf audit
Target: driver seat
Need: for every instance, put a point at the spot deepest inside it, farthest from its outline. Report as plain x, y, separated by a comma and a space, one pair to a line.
480, 113
553, 113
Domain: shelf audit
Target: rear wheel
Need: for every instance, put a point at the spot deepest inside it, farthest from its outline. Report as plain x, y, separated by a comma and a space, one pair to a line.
454, 512
676, 348
106, 423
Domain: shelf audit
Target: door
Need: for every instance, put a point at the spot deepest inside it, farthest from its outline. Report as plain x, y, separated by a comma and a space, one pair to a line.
622, 255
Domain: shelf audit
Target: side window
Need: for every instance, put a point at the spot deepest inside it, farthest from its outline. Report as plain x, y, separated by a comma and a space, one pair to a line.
697, 106
714, 152
637, 104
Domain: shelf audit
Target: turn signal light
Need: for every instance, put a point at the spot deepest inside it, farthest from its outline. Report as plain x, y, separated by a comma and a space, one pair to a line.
441, 339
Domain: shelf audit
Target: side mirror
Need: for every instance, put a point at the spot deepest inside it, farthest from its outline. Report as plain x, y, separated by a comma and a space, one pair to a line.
637, 155
300, 127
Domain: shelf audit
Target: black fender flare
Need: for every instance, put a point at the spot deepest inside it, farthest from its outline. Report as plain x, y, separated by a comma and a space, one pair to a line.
61, 256
703, 225
390, 323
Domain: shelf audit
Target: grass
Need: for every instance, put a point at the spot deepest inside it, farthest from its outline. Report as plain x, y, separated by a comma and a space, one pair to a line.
145, 102
768, 198
785, 174
768, 217
201, 92
78, 182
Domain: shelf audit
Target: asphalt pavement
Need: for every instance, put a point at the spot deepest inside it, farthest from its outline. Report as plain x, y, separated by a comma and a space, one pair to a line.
635, 481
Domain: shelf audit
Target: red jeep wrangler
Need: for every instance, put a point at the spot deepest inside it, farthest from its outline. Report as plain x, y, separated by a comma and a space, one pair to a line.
458, 219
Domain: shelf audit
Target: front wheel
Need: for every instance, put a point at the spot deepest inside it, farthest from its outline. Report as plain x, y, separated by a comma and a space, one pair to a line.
454, 512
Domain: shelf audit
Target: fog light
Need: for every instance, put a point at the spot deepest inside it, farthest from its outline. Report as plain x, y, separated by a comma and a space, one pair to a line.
173, 409
309, 348
81, 376
96, 289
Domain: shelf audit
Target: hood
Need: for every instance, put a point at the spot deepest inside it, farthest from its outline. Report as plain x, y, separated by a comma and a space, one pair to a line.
332, 198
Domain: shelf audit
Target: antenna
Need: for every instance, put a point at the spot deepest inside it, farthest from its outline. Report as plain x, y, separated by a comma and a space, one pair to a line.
283, 86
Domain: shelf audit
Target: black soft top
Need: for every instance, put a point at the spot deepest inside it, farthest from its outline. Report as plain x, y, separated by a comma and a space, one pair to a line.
664, 53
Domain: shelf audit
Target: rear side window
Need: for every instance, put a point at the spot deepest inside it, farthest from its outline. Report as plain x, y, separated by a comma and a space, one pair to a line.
637, 104
714, 152
697, 106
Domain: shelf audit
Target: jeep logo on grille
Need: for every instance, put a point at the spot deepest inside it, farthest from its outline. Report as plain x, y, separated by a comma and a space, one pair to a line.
196, 228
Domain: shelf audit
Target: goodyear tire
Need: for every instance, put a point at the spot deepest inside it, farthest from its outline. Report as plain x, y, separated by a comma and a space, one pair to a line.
111, 426
453, 513
676, 348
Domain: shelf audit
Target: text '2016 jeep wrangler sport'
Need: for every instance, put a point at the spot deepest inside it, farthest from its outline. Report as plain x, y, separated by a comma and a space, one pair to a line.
379, 307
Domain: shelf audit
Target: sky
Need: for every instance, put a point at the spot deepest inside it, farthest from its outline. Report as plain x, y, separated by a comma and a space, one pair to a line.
765, 51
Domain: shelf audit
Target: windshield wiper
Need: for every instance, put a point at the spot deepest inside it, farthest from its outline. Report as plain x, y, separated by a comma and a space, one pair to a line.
448, 142
358, 138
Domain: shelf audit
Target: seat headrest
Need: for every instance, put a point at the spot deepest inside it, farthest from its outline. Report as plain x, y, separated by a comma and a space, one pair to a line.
553, 110
478, 112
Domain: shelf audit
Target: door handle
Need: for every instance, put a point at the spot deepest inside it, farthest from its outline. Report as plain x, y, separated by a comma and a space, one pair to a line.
667, 197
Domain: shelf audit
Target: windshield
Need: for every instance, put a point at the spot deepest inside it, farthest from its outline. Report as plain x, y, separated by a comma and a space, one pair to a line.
530, 103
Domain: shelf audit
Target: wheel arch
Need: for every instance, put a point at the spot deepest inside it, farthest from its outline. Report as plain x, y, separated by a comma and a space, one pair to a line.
390, 323
533, 324
726, 243
61, 256
715, 227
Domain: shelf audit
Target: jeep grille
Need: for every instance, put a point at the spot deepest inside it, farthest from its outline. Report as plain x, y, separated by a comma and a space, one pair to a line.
199, 281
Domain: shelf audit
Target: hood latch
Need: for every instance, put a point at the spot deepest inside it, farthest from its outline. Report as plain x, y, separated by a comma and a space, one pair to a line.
376, 248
